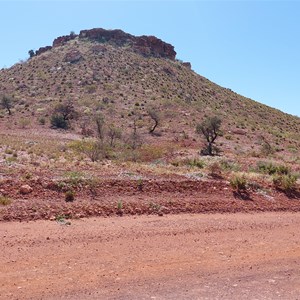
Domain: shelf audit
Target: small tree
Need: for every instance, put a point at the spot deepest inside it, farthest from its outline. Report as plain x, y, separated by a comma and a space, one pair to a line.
57, 121
31, 53
135, 140
210, 128
7, 103
266, 147
93, 149
113, 134
154, 115
100, 127
63, 113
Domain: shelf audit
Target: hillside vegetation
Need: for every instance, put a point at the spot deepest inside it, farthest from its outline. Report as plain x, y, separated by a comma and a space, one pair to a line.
110, 98
118, 82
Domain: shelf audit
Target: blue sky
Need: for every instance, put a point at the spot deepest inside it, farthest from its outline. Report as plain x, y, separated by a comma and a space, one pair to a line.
251, 47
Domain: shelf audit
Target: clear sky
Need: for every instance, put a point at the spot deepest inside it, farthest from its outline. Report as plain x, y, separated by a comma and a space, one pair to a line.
251, 47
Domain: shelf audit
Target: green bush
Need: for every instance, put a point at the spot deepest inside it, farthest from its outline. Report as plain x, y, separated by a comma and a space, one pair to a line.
271, 169
285, 182
238, 183
69, 196
58, 121
93, 149
42, 121
228, 165
5, 200
195, 163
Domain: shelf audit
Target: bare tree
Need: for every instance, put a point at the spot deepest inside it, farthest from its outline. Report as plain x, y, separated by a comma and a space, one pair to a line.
100, 127
113, 134
210, 128
154, 115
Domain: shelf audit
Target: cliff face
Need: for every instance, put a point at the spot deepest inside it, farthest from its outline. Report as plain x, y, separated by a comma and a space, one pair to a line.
144, 45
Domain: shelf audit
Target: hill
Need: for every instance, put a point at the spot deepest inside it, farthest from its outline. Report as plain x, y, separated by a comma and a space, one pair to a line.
117, 73
125, 83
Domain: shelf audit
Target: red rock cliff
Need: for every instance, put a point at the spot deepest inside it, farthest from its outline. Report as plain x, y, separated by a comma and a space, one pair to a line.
145, 45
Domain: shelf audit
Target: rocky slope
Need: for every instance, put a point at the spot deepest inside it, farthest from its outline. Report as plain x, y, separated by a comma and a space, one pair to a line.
122, 75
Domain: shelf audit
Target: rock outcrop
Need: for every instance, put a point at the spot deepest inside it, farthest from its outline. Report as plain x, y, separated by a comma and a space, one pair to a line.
117, 37
73, 56
98, 49
42, 50
145, 45
152, 46
62, 40
187, 65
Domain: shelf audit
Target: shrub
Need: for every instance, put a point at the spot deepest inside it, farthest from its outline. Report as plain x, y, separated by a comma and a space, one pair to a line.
239, 183
5, 200
228, 165
94, 150
266, 149
271, 169
74, 179
120, 205
42, 121
285, 183
120, 208
140, 184
57, 121
215, 170
195, 163
62, 114
69, 196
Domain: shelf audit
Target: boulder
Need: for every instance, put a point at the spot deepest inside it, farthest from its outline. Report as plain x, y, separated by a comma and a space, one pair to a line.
187, 65
26, 189
73, 56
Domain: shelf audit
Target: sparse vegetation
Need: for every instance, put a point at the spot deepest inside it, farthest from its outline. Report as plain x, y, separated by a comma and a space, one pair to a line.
238, 183
4, 200
215, 170
271, 169
285, 182
93, 149
116, 98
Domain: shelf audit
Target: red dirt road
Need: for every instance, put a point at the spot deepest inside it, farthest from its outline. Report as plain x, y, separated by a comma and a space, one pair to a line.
213, 256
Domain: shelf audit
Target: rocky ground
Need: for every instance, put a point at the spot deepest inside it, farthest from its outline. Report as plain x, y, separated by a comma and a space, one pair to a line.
200, 256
